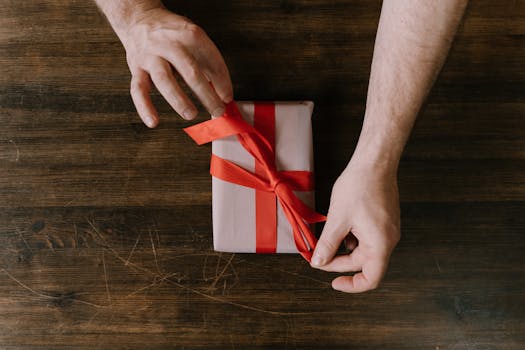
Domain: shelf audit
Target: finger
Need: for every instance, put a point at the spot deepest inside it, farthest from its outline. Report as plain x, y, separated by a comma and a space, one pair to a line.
215, 69
334, 232
351, 242
367, 279
165, 81
345, 263
220, 79
208, 57
190, 71
140, 88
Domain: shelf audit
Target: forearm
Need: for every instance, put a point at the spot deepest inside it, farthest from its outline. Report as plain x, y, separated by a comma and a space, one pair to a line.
121, 14
412, 42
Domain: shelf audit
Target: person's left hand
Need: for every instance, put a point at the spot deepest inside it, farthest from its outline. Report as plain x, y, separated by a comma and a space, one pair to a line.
364, 209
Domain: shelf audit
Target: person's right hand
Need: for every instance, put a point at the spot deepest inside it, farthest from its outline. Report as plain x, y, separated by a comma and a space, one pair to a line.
161, 45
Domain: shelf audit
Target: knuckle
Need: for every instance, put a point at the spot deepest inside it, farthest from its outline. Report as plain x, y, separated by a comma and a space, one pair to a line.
328, 244
137, 85
160, 76
177, 102
221, 70
193, 31
175, 98
336, 226
192, 73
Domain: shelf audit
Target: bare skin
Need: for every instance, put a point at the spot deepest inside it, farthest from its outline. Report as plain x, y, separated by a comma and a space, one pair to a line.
160, 44
412, 42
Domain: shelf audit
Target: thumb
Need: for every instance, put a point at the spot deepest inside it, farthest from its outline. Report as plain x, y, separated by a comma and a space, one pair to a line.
334, 231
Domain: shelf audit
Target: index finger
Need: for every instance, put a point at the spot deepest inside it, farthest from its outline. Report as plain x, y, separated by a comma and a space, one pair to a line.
189, 69
369, 278
215, 69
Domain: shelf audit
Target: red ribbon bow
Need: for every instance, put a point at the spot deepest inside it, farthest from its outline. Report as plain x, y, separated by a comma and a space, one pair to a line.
273, 184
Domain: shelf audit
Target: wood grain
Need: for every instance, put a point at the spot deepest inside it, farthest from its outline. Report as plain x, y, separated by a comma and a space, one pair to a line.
105, 226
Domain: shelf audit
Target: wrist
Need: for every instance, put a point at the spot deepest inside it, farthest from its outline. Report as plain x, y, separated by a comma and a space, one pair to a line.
378, 149
122, 15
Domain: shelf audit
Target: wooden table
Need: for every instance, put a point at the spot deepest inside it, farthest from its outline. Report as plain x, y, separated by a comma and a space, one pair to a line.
105, 226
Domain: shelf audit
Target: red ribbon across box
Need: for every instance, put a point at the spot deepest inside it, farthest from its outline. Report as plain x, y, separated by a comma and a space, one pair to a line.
270, 184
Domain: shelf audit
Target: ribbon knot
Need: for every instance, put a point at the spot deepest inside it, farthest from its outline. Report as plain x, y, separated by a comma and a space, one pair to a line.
275, 181
281, 183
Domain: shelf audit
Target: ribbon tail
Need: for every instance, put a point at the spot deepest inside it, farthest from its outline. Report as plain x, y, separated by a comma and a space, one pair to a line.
307, 233
307, 255
217, 128
307, 213
305, 240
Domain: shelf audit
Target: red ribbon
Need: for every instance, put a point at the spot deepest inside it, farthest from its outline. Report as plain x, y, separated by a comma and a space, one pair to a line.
270, 184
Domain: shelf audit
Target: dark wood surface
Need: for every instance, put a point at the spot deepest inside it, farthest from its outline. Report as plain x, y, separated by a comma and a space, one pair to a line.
105, 226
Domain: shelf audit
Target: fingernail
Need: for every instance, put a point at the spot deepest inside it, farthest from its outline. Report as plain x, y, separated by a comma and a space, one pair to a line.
149, 121
334, 287
189, 114
317, 260
228, 99
217, 112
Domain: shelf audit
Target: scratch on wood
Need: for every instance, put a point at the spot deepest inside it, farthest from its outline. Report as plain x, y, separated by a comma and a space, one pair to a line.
219, 299
156, 233
437, 265
95, 230
47, 296
287, 333
219, 276
193, 233
17, 158
154, 283
106, 277
23, 239
83, 195
154, 252
290, 331
287, 272
231, 342
85, 241
132, 250
204, 268
128, 175
76, 235
218, 264
92, 318
204, 320
243, 306
236, 277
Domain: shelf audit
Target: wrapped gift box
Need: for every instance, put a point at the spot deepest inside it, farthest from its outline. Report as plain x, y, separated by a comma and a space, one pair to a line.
234, 206
243, 220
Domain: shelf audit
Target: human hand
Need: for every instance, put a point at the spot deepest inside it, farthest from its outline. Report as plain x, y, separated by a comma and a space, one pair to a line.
364, 211
161, 44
